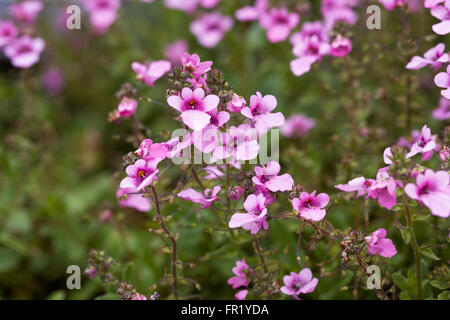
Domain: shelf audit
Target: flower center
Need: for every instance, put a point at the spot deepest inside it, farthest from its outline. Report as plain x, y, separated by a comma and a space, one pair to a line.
141, 174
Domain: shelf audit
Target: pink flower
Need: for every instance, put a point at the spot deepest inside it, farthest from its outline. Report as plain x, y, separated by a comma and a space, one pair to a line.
53, 81
26, 11
278, 23
206, 199
91, 272
192, 64
443, 111
359, 184
139, 296
255, 218
269, 196
442, 80
175, 50
338, 10
442, 13
391, 4
25, 51
213, 173
444, 154
250, 13
260, 114
434, 57
194, 107
235, 193
241, 295
103, 13
432, 3
127, 107
432, 189
384, 189
8, 32
208, 4
269, 178
239, 143
150, 151
425, 143
210, 28
140, 174
151, 72
236, 104
240, 278
133, 200
297, 125
297, 283
340, 46
188, 6
378, 244
310, 206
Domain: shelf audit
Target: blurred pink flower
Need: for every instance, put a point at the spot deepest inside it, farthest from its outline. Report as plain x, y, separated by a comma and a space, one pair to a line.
90, 272
208, 4
338, 10
188, 6
150, 73
236, 104
240, 279
139, 296
299, 283
442, 13
213, 173
26, 11
8, 32
206, 199
175, 50
103, 13
250, 13
442, 80
297, 125
443, 111
53, 81
310, 206
340, 46
378, 244
432, 3
235, 193
392, 4
432, 189
132, 200
127, 107
278, 23
210, 28
25, 51
434, 57
255, 218
268, 177
241, 295
140, 174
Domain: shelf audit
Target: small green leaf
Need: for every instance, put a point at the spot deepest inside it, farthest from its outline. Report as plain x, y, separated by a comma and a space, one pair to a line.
406, 235
427, 252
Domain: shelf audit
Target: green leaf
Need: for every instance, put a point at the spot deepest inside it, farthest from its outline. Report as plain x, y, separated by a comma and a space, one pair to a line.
427, 252
400, 281
406, 235
444, 295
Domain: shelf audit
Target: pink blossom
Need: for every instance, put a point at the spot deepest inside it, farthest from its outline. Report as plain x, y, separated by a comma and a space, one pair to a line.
260, 112
103, 13
255, 218
434, 57
241, 295
194, 107
392, 4
175, 50
340, 46
149, 73
443, 111
26, 11
239, 143
338, 10
206, 199
127, 107
268, 195
236, 104
140, 174
25, 51
240, 279
91, 272
278, 23
235, 193
424, 143
210, 28
432, 190
192, 64
208, 4
310, 206
442, 13
297, 125
432, 3
150, 151
250, 13
176, 146
299, 283
442, 80
360, 184
188, 6
384, 189
105, 216
8, 32
213, 173
268, 177
444, 154
133, 200
378, 244
138, 296
53, 81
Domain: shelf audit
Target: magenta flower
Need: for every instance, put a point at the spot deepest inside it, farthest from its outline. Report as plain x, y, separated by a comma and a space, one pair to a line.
425, 143
149, 73
188, 6
443, 111
239, 143
442, 80
260, 113
150, 151
235, 193
297, 125
127, 107
103, 13
240, 278
338, 10
392, 4
133, 200
192, 64
432, 3
255, 218
194, 107
213, 173
208, 4
206, 199
432, 190
442, 13
360, 184
175, 50
268, 177
384, 189
340, 46
278, 23
210, 28
138, 296
8, 32
236, 104
25, 51
310, 206
268, 195
140, 174
434, 57
378, 244
53, 81
241, 295
299, 283
26, 11
91, 272
250, 13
